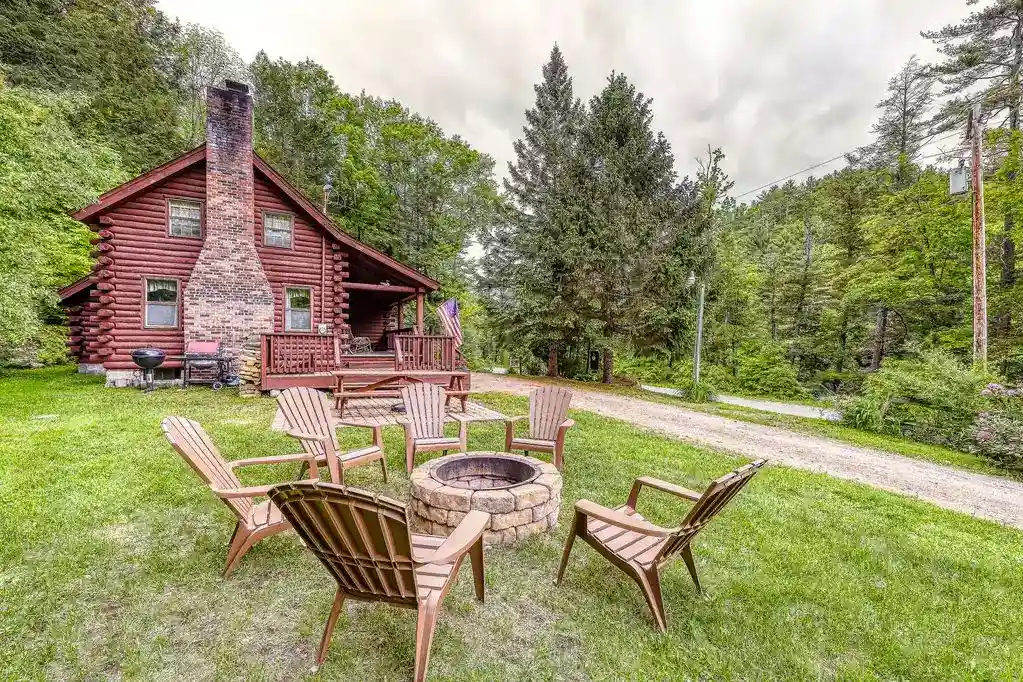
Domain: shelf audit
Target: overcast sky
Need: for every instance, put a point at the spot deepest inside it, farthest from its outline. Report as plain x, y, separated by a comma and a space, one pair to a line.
778, 84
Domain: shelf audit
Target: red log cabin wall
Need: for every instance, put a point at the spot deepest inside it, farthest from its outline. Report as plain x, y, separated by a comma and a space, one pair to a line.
140, 248
134, 244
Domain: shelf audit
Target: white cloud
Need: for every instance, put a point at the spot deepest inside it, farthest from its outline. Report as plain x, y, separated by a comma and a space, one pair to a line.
779, 84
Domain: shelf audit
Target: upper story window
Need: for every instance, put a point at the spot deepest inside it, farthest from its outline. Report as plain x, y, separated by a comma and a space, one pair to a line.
184, 218
278, 229
161, 303
298, 309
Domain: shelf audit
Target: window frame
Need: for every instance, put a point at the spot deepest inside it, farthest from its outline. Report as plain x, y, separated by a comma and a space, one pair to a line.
202, 217
145, 302
291, 238
312, 308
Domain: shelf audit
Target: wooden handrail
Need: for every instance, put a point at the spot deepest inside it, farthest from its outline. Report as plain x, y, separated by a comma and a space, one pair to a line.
424, 352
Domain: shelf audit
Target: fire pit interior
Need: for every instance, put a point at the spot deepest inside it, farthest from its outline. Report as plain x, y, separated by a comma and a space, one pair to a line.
485, 472
521, 494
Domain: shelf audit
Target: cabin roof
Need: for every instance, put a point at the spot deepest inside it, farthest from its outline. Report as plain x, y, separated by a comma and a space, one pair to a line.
122, 193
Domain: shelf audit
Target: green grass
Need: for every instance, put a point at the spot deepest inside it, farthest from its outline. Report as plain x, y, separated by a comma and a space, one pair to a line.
813, 427
111, 551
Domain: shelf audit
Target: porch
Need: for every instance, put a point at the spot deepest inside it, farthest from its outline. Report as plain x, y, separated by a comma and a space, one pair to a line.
295, 359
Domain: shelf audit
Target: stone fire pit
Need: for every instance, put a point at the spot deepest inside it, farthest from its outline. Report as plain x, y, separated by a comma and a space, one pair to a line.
522, 494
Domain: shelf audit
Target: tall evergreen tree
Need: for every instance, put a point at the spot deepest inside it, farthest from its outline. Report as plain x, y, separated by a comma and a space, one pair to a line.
627, 195
538, 183
985, 52
902, 126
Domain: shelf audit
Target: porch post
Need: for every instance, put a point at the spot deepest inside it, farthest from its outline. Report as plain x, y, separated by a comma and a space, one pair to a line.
420, 310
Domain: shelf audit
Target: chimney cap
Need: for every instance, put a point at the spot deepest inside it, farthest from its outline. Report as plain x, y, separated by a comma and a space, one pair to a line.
235, 85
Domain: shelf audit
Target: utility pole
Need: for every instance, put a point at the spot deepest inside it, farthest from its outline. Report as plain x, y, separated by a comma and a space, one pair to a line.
699, 335
979, 243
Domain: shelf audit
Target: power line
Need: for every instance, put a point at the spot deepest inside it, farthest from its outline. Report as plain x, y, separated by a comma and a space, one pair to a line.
928, 141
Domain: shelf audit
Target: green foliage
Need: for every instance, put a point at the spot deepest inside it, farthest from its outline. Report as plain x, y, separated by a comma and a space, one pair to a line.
933, 398
46, 170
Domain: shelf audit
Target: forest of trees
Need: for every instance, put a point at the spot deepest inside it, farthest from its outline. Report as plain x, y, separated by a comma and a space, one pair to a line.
811, 284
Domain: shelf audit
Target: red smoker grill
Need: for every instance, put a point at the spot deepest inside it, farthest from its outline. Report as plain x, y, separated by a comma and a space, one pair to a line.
203, 363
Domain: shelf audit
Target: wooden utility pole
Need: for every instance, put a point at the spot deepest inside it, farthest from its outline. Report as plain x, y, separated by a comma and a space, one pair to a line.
699, 335
979, 243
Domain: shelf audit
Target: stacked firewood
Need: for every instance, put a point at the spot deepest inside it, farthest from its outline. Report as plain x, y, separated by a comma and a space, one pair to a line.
249, 370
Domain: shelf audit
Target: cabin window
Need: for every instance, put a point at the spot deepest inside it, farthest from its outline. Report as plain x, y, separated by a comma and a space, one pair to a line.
277, 229
184, 218
161, 303
298, 309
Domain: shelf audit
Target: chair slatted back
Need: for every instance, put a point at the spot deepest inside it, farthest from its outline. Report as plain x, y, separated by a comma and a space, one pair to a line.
194, 445
424, 409
548, 408
718, 494
308, 410
363, 539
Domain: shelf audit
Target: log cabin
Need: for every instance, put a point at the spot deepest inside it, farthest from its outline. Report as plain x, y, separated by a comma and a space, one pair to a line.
216, 246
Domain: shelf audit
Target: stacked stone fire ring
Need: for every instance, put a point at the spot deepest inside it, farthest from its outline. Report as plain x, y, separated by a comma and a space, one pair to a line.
521, 494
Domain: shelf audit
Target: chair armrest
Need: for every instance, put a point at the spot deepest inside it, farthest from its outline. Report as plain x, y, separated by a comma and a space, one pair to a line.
252, 491
512, 420
464, 418
620, 520
567, 424
663, 486
301, 435
461, 540
275, 459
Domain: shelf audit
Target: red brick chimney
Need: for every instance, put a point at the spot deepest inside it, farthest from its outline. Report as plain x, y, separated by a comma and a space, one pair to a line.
228, 297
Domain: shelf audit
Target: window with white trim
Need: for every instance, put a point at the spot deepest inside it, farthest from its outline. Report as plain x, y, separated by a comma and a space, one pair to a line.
185, 218
277, 229
161, 303
298, 309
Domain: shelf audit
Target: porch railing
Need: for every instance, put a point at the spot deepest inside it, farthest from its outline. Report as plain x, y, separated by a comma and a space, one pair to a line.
420, 352
299, 353
288, 353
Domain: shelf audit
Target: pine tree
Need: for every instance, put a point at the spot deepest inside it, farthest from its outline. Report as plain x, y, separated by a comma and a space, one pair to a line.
902, 125
986, 51
538, 184
628, 195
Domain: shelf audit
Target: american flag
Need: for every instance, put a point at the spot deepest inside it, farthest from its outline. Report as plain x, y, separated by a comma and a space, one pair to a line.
448, 314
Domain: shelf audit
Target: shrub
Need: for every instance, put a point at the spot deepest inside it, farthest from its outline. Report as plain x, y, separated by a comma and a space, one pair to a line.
764, 371
998, 435
933, 398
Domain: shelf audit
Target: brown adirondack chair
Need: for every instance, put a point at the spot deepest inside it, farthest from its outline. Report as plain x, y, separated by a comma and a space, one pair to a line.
255, 520
640, 548
548, 422
365, 543
310, 421
424, 422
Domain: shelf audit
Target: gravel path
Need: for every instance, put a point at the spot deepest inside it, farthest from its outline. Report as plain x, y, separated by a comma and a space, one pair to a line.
794, 409
983, 496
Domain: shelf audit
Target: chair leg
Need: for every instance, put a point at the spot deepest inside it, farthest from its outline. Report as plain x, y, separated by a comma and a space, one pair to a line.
558, 462
383, 467
425, 626
242, 541
476, 556
687, 556
650, 582
509, 434
568, 547
335, 611
410, 457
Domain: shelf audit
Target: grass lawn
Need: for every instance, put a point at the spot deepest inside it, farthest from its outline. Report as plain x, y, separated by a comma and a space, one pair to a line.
111, 552
814, 427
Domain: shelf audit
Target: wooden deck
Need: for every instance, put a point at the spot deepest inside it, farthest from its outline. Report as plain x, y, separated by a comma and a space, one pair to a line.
378, 412
313, 361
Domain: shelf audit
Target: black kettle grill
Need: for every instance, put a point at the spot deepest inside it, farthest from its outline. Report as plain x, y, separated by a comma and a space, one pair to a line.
148, 359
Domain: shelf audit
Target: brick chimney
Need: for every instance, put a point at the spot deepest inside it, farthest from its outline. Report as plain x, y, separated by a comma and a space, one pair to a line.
228, 297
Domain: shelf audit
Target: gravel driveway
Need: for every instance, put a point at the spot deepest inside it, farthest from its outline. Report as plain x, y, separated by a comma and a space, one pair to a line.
983, 496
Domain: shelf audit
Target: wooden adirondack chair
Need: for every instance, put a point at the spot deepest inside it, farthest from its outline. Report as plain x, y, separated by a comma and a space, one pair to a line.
640, 548
310, 421
548, 422
255, 520
365, 543
424, 422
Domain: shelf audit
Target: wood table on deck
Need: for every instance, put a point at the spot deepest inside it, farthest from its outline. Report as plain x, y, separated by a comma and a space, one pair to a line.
369, 384
380, 412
